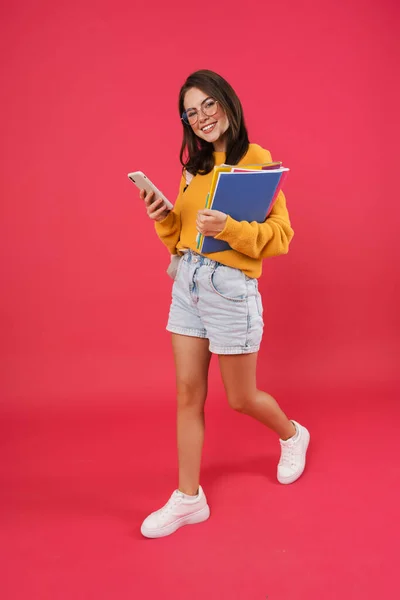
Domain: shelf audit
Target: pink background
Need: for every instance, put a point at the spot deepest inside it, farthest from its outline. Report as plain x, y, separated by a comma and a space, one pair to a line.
90, 93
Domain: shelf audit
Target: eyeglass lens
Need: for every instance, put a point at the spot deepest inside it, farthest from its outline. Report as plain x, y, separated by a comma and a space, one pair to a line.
209, 107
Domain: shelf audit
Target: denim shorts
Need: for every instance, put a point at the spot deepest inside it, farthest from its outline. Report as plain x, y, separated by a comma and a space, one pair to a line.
219, 303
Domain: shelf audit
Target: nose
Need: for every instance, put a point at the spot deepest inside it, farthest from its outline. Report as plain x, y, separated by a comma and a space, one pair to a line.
203, 118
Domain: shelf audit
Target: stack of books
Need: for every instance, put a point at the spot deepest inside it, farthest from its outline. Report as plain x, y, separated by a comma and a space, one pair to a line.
245, 193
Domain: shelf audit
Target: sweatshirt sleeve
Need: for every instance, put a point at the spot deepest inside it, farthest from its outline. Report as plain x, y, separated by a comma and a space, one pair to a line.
261, 240
169, 229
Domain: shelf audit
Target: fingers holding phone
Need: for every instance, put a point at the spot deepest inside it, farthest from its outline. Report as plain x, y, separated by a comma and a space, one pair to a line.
156, 208
157, 205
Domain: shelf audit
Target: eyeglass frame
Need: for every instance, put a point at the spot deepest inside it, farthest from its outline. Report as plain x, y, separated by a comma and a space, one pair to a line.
184, 116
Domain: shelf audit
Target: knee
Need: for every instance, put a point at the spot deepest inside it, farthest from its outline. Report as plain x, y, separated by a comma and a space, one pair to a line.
239, 403
191, 394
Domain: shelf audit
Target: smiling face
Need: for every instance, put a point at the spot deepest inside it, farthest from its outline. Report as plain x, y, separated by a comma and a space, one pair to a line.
209, 128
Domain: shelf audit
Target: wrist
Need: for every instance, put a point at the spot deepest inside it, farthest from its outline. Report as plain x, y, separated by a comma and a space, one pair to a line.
223, 224
163, 216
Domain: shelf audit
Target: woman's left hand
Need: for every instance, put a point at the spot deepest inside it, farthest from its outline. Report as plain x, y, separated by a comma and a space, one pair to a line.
210, 222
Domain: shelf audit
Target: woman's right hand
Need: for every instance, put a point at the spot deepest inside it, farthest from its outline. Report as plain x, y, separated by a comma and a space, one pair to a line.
156, 209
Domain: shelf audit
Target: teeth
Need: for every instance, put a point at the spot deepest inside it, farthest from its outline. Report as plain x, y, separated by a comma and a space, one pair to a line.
208, 127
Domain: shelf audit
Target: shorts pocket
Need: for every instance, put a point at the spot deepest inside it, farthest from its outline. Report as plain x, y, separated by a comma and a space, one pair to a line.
174, 265
229, 283
178, 270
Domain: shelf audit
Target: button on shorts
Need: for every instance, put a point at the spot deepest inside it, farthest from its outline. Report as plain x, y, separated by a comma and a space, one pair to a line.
219, 303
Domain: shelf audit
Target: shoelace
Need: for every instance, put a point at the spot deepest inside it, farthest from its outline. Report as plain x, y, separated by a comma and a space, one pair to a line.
170, 504
287, 456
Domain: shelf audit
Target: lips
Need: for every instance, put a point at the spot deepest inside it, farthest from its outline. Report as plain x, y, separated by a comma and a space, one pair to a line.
209, 128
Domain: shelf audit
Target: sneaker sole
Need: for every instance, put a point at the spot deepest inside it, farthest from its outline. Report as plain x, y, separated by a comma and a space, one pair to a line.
293, 478
192, 519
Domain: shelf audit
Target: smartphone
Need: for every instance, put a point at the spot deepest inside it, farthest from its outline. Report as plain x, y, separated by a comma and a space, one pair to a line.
144, 183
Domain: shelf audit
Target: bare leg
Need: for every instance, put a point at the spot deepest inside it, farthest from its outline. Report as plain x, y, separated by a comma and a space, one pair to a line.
238, 373
192, 359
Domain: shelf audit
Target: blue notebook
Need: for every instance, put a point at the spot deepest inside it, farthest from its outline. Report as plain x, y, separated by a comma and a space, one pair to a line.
245, 196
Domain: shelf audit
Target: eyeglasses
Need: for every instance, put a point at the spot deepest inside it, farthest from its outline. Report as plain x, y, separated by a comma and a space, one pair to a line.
209, 107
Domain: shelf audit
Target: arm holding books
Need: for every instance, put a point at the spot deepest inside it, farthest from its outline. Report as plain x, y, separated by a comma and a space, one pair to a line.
210, 222
260, 240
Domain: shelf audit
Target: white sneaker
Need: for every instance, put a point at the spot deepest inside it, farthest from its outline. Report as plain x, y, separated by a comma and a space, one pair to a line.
293, 455
178, 511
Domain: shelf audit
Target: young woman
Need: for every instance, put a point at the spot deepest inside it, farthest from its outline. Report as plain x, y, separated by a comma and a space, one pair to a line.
216, 306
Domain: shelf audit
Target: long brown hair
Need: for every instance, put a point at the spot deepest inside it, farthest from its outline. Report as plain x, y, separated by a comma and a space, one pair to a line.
196, 154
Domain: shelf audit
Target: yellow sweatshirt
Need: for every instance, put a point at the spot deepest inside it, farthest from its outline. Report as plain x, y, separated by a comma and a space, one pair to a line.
250, 242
